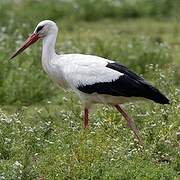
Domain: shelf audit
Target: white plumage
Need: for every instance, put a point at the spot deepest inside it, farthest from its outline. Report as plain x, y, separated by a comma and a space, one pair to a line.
94, 79
73, 70
82, 69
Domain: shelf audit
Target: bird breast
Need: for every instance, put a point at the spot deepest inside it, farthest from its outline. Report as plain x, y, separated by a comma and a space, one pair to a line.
55, 72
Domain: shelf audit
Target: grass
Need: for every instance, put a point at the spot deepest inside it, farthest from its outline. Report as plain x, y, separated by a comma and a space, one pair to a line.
41, 133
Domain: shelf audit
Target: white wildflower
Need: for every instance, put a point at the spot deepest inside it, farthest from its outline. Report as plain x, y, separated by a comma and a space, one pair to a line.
17, 164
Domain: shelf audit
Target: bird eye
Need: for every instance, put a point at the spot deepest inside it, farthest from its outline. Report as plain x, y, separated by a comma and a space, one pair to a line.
39, 28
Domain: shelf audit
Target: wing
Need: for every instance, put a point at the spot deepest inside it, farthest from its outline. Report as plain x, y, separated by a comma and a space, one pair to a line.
87, 70
92, 74
128, 84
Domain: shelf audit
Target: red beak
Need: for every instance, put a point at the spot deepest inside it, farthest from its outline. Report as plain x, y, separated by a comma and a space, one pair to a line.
30, 40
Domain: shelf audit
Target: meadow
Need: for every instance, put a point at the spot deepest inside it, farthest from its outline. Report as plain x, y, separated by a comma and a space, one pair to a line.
41, 132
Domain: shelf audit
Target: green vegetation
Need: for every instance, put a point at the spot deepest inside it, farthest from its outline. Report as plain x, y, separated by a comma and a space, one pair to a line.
41, 134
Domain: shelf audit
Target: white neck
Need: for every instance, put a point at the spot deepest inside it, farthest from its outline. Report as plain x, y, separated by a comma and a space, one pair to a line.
48, 51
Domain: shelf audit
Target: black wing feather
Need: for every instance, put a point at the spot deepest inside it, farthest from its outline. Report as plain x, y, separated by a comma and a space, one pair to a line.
128, 85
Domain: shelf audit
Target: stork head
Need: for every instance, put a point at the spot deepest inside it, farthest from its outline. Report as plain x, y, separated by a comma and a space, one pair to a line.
43, 29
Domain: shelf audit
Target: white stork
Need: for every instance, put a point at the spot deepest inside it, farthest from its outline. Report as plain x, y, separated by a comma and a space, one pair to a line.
94, 79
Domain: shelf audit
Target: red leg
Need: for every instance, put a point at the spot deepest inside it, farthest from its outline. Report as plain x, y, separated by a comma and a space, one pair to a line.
85, 118
131, 123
